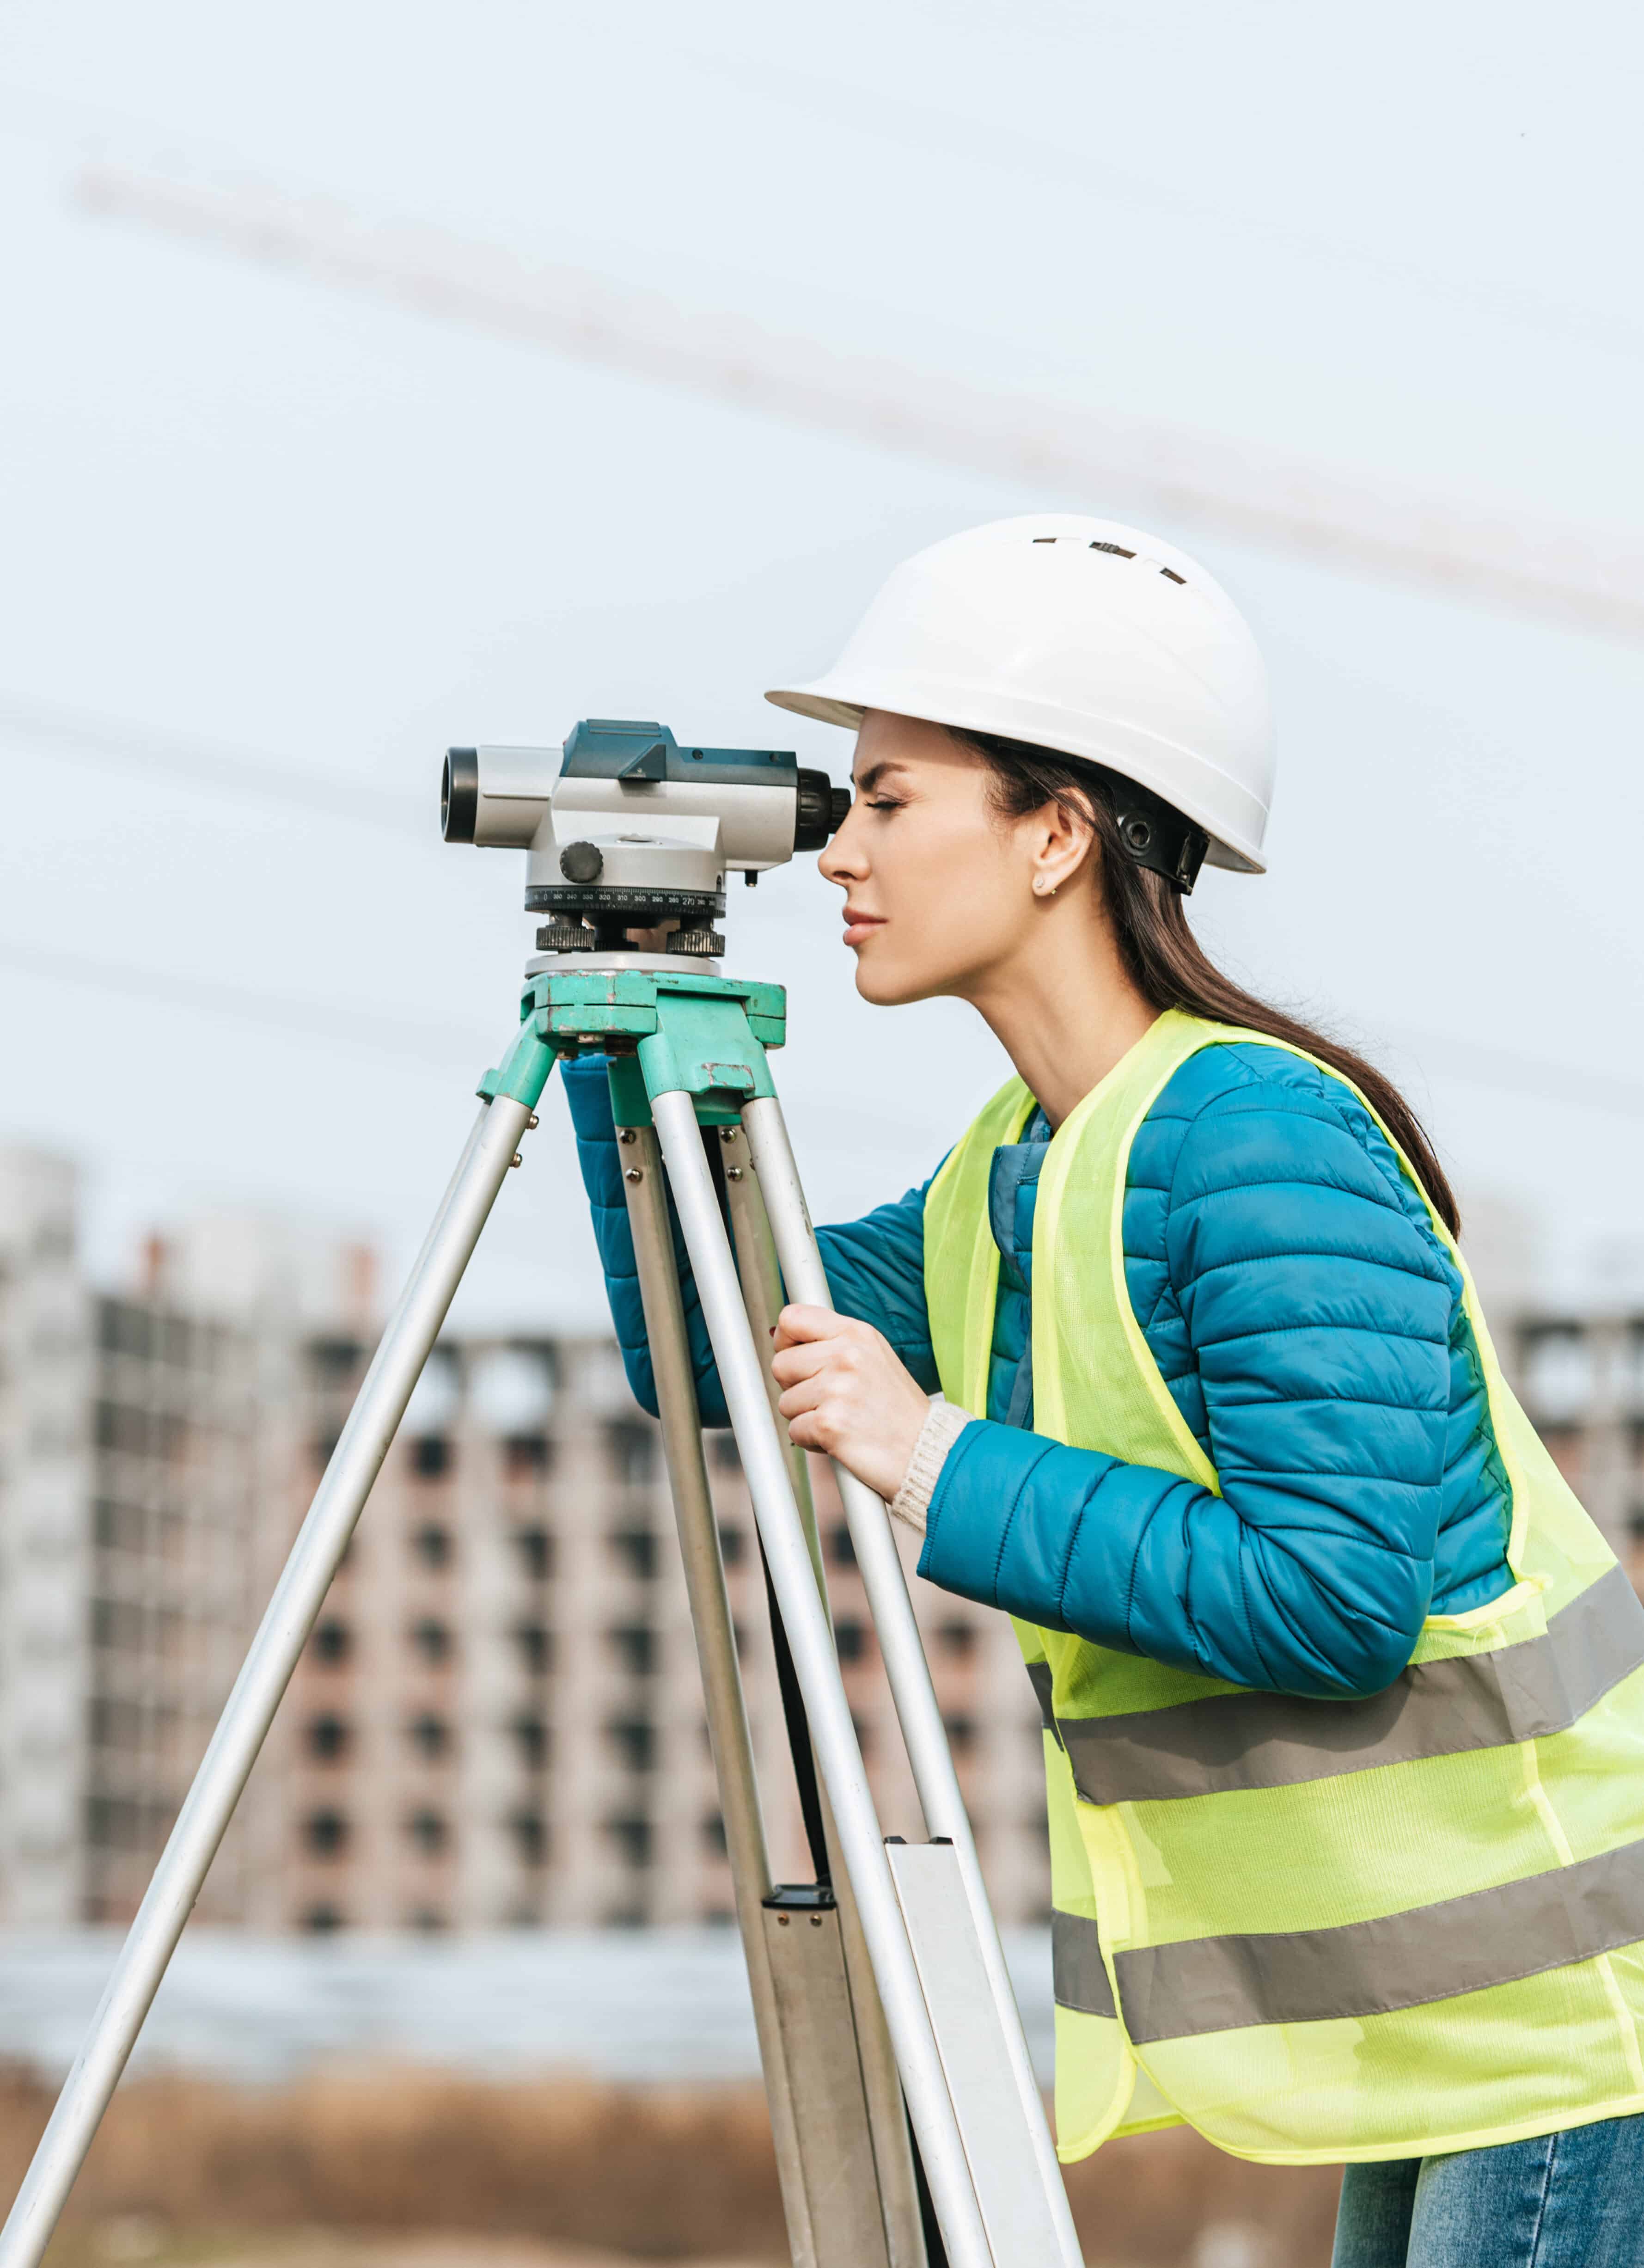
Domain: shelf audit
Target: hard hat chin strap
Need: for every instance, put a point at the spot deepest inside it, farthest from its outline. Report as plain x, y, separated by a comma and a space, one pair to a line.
1151, 832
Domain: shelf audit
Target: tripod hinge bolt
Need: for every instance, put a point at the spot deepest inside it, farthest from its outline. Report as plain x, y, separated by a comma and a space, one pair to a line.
628, 1134
516, 1159
633, 1173
533, 1122
733, 1172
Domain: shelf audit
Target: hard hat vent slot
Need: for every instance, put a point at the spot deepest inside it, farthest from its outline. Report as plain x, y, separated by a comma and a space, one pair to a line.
1044, 539
1117, 550
1172, 572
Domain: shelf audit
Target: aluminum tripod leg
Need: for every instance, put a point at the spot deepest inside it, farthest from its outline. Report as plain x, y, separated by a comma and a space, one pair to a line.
909, 1676
249, 1711
793, 1578
828, 2152
761, 1289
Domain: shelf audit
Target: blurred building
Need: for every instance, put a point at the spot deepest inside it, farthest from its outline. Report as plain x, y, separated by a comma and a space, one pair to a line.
1581, 1376
47, 1682
497, 1721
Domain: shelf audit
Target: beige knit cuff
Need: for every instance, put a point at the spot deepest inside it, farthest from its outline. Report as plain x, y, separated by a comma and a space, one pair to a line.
943, 1426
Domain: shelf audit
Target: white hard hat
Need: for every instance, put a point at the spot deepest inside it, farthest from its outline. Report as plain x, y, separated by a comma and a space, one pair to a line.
1079, 635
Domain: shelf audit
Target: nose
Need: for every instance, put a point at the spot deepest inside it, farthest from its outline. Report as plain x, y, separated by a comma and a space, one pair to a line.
845, 860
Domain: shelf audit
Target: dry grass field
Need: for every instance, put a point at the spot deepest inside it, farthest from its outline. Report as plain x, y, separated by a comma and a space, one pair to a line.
395, 2169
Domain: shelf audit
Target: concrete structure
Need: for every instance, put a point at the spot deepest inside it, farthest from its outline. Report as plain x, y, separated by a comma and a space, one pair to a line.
498, 1720
46, 1689
1581, 1376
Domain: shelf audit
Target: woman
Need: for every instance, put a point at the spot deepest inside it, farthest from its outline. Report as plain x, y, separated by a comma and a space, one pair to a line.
1342, 1690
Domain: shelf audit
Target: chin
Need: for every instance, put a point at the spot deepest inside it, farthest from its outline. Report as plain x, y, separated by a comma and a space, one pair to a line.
884, 988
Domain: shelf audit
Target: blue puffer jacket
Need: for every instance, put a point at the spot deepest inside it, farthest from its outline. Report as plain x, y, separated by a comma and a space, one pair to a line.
1309, 1324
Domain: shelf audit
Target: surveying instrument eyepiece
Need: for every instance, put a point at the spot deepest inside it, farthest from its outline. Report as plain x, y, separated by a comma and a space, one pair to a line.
625, 829
908, 2123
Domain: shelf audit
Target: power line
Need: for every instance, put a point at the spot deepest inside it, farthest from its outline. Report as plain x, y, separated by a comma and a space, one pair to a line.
1440, 1054
1561, 574
124, 746
1028, 155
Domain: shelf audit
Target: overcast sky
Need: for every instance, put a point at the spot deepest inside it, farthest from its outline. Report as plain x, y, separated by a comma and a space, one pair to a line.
255, 514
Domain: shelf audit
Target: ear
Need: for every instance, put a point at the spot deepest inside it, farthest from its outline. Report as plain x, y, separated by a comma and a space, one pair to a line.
1064, 844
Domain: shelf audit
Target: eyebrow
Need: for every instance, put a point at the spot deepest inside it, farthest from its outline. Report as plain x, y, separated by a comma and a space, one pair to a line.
874, 773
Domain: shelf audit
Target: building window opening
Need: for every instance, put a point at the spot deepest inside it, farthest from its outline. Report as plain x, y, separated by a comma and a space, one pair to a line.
335, 1361
430, 1736
850, 1639
961, 1731
536, 1645
841, 1550
727, 1456
633, 1838
431, 1456
733, 1544
636, 1549
325, 1834
713, 1834
531, 1735
632, 1452
634, 1646
427, 1921
527, 1456
428, 1832
535, 1547
328, 1738
333, 1642
531, 1839
433, 1641
321, 1920
432, 1546
635, 1741
956, 1640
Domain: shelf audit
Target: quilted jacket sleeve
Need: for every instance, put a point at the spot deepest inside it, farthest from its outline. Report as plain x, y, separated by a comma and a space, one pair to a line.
875, 1266
1317, 1306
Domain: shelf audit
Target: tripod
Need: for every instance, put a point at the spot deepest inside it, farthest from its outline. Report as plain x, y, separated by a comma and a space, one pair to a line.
881, 1984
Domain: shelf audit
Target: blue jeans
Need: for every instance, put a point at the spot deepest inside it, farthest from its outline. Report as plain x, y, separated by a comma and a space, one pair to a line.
1574, 2199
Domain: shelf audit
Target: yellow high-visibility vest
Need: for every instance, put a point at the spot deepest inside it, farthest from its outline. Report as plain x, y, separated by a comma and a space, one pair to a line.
1313, 1929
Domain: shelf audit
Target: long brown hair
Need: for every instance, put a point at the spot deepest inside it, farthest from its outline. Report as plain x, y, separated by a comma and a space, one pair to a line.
1167, 963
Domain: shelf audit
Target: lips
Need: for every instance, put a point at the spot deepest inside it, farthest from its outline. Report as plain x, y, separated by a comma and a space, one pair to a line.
859, 926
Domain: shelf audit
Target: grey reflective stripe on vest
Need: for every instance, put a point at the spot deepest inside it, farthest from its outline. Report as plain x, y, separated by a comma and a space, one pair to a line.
1521, 1692
1078, 1978
1040, 1673
1373, 1968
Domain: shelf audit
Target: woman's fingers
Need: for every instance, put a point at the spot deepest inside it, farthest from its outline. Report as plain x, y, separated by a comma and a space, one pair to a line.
790, 1364
804, 1395
798, 1324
